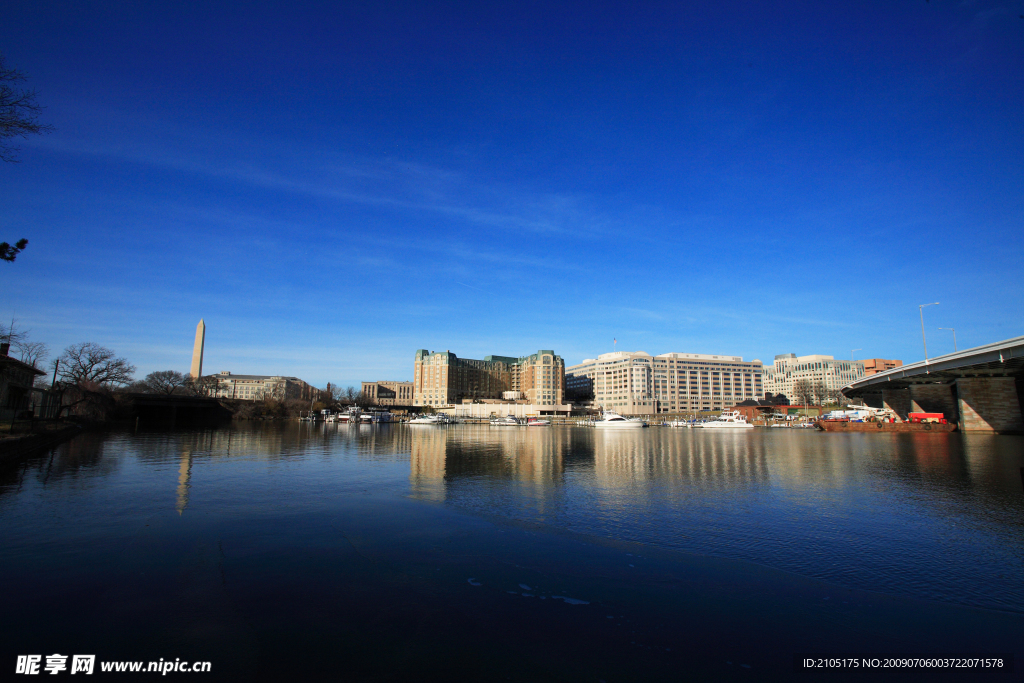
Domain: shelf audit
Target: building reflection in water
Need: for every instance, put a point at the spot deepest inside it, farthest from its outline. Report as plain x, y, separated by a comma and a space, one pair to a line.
721, 459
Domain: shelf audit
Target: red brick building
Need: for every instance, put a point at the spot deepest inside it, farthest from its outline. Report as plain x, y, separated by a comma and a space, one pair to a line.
876, 365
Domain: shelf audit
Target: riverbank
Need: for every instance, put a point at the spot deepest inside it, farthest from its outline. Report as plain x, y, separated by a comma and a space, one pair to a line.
14, 448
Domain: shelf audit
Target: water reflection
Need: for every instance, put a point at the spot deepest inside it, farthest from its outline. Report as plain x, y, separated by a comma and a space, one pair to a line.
184, 474
933, 515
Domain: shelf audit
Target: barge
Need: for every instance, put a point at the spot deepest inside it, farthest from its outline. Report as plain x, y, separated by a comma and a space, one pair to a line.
847, 426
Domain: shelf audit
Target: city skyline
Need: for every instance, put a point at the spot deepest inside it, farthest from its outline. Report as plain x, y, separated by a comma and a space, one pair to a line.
330, 191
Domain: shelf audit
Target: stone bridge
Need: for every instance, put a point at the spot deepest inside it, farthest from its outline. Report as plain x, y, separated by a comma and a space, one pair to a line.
980, 389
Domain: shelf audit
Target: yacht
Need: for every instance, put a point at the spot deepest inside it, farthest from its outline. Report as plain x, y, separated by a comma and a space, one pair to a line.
507, 421
729, 420
425, 420
537, 422
612, 420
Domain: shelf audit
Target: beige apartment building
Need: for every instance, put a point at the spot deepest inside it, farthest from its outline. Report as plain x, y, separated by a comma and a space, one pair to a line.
442, 379
825, 374
388, 393
636, 383
258, 387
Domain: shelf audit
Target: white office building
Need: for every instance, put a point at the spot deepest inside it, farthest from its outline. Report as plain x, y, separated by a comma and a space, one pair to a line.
640, 384
824, 376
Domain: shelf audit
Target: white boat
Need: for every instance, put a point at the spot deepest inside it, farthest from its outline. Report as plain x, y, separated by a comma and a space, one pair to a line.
537, 422
507, 421
425, 420
365, 418
729, 420
611, 420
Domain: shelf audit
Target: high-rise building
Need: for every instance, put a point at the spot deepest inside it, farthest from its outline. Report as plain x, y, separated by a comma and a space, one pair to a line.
441, 378
640, 384
814, 378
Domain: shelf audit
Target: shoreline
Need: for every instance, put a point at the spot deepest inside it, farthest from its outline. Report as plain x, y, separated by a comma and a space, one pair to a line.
13, 449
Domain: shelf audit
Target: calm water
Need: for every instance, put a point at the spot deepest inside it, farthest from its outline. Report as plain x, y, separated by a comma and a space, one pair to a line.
239, 543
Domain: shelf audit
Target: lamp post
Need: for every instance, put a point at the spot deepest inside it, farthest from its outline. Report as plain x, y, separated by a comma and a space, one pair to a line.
954, 335
920, 310
852, 352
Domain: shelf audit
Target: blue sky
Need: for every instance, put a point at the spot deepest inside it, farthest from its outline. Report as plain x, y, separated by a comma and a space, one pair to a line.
332, 186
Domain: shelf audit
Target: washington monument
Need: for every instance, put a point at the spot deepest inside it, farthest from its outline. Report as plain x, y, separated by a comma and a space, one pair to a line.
197, 351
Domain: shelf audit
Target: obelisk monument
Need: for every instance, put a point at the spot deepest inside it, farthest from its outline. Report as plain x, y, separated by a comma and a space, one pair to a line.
197, 351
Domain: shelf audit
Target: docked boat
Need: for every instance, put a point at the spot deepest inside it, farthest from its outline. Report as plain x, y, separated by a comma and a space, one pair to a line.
537, 422
507, 421
611, 420
425, 420
729, 420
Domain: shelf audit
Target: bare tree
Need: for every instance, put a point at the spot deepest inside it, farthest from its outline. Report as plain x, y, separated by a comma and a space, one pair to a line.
803, 390
89, 362
33, 353
202, 386
12, 335
165, 381
28, 351
819, 392
334, 392
19, 112
351, 394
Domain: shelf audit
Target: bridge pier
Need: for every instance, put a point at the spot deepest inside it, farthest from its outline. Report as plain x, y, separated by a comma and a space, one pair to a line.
989, 404
898, 401
935, 398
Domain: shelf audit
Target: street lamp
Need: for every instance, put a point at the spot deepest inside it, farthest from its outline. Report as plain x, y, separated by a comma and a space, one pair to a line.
920, 310
852, 352
954, 335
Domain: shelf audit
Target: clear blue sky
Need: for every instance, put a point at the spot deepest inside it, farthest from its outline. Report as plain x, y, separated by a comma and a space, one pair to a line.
335, 185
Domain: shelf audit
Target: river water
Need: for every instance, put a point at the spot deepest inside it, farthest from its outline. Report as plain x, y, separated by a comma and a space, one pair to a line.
397, 552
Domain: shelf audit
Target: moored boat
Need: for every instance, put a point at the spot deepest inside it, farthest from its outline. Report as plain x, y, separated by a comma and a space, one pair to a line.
612, 420
729, 420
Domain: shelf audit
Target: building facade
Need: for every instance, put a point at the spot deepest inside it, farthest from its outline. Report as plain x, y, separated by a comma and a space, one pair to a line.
388, 393
641, 384
442, 379
16, 380
259, 387
810, 378
876, 365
